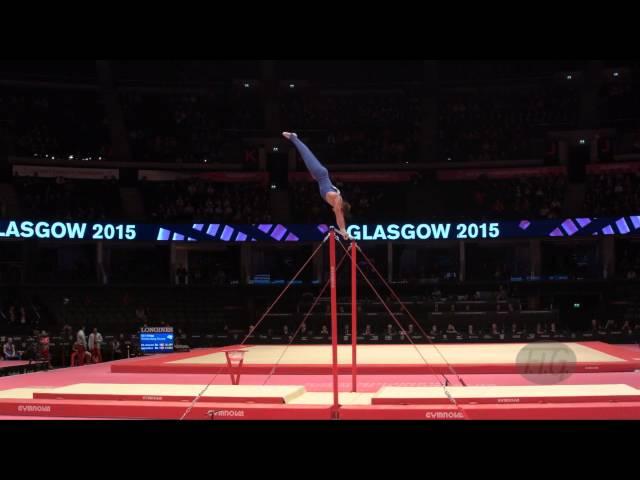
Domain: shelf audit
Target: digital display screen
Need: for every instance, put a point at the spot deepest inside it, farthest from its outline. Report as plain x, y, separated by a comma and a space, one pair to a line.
273, 232
156, 340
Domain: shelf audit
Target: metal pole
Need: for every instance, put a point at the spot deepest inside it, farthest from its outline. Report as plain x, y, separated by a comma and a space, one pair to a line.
334, 318
354, 318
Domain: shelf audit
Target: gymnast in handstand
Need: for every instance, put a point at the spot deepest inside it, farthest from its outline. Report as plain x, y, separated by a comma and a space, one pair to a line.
320, 174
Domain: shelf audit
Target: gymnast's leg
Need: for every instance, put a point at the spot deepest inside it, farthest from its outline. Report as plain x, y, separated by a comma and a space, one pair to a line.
316, 169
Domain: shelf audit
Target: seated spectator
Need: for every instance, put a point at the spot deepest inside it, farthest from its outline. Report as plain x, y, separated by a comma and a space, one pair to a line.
9, 350
116, 347
67, 331
31, 353
220, 278
502, 293
199, 200
68, 199
80, 350
487, 125
141, 314
182, 275
612, 194
44, 350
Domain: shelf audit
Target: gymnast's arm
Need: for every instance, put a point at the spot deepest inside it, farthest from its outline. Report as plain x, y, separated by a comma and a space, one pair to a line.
337, 210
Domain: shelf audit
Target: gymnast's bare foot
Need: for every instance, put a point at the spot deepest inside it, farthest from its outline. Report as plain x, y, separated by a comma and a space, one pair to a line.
288, 135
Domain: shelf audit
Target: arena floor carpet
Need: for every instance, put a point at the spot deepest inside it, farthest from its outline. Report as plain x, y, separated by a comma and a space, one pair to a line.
99, 391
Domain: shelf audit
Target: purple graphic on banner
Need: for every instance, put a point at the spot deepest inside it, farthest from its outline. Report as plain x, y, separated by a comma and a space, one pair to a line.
583, 221
622, 226
226, 233
558, 228
524, 224
569, 226
163, 234
213, 229
278, 232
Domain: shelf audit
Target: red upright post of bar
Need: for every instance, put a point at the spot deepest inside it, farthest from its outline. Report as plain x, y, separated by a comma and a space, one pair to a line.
354, 318
334, 317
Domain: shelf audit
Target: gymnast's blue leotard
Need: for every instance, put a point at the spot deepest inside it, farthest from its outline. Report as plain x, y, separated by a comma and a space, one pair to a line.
319, 173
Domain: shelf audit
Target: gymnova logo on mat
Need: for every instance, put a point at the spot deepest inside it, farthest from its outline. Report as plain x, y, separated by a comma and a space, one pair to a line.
444, 415
546, 363
34, 408
227, 413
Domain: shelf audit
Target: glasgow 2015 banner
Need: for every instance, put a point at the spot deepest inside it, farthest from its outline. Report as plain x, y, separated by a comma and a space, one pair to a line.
222, 232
